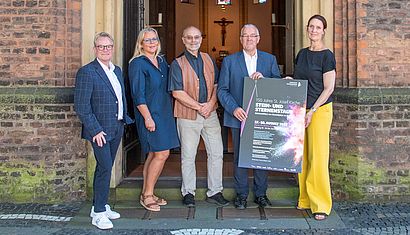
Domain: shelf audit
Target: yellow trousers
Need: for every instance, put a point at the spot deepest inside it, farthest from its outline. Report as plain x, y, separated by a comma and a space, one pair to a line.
314, 182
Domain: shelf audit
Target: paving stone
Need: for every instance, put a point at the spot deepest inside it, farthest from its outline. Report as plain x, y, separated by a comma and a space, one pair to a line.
359, 218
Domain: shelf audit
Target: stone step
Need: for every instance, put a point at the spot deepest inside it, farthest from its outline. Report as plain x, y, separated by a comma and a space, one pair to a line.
279, 188
282, 215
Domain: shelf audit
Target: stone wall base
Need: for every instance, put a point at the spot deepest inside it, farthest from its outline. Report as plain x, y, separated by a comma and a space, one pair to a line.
370, 144
42, 157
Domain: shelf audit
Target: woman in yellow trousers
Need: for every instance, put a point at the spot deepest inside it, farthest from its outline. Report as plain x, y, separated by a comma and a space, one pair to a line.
314, 183
316, 64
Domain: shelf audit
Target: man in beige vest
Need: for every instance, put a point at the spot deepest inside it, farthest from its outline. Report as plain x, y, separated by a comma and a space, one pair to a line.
193, 82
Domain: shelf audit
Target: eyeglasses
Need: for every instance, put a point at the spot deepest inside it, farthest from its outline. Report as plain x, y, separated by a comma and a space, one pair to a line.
250, 36
150, 40
105, 47
191, 38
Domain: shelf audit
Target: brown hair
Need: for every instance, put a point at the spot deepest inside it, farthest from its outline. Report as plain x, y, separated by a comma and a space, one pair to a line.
318, 17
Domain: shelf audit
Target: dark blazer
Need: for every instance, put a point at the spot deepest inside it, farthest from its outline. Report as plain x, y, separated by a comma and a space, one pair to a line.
231, 77
96, 103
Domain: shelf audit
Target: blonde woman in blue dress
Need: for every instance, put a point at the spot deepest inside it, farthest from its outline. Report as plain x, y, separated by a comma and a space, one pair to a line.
148, 74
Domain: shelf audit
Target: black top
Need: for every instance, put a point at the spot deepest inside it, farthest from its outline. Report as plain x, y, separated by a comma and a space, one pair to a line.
310, 66
175, 75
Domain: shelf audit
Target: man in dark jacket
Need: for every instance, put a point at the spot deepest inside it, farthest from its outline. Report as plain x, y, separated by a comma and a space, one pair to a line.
255, 64
100, 103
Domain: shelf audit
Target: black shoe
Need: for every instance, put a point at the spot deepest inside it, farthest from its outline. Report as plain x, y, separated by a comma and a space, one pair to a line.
240, 203
263, 201
218, 199
189, 200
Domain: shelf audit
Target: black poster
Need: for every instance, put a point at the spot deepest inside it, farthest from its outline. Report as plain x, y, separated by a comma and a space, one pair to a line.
272, 135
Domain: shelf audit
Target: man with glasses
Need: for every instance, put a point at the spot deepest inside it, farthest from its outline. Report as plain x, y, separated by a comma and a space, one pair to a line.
255, 64
193, 82
100, 104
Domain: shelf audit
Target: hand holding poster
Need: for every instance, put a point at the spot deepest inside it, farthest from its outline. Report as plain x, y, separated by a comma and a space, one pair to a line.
272, 135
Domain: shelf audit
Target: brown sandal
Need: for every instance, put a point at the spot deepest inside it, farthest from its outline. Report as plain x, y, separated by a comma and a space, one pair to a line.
151, 206
158, 200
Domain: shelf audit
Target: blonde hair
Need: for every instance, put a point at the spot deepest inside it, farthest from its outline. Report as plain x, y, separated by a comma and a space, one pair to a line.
138, 45
102, 35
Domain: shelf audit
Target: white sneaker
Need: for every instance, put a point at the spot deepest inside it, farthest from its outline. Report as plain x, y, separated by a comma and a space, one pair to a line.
110, 214
101, 221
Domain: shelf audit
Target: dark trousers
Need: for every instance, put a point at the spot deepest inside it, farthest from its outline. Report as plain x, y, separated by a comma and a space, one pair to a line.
260, 177
105, 157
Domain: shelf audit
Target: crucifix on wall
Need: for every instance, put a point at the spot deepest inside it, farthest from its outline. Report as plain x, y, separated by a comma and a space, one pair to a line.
223, 23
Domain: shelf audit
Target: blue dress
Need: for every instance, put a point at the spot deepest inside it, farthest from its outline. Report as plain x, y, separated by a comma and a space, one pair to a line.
149, 86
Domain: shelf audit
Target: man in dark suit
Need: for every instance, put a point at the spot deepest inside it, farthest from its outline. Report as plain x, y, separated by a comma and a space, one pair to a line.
100, 103
255, 64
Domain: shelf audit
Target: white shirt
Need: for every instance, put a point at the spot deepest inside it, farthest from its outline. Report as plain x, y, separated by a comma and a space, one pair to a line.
250, 62
115, 85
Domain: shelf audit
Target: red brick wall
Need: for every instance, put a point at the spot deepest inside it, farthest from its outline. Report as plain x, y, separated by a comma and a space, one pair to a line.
372, 41
40, 42
345, 43
371, 125
42, 157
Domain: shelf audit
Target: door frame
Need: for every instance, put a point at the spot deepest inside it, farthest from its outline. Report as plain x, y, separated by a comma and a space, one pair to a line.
109, 16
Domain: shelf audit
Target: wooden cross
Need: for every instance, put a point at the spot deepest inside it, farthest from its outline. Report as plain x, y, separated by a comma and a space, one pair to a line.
223, 23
